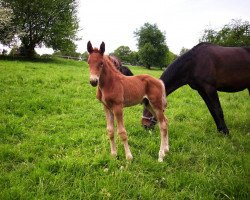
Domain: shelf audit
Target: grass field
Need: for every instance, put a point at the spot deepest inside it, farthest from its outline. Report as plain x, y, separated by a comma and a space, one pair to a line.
53, 142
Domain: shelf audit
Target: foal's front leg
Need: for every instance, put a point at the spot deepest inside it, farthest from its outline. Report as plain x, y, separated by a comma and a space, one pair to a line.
110, 130
121, 130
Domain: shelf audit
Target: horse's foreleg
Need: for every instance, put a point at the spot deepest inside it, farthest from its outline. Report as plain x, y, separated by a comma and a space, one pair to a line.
110, 130
121, 130
210, 96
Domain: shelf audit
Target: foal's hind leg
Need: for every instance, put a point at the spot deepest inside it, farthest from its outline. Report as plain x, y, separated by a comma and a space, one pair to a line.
121, 130
163, 124
164, 148
110, 130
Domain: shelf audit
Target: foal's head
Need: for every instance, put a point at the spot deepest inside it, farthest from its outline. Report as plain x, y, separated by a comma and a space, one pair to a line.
95, 62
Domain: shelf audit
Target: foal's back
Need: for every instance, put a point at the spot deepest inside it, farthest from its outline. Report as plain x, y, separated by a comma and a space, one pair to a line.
136, 88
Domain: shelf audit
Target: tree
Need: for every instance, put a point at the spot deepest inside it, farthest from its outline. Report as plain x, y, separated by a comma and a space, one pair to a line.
50, 23
183, 50
134, 58
170, 58
85, 56
126, 55
152, 46
123, 53
7, 30
236, 33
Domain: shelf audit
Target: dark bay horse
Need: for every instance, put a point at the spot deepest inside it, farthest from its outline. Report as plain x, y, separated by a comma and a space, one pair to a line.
208, 68
117, 91
123, 69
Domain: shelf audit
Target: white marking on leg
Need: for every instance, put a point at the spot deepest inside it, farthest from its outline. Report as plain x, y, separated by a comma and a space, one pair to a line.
110, 130
164, 142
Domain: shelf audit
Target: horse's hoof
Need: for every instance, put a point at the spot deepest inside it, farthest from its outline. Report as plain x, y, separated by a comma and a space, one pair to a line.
160, 159
224, 131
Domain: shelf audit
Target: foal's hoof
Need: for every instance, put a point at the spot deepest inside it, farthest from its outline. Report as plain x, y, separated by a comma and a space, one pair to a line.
114, 154
161, 156
166, 149
129, 157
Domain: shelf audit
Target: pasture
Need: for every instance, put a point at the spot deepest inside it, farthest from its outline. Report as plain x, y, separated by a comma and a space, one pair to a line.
53, 142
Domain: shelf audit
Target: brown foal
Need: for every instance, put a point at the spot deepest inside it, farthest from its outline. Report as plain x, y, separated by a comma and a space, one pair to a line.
117, 91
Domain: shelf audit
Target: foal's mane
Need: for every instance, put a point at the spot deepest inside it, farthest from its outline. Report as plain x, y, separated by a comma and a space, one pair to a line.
108, 63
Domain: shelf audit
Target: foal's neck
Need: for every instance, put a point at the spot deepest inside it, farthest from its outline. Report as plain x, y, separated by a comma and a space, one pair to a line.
108, 74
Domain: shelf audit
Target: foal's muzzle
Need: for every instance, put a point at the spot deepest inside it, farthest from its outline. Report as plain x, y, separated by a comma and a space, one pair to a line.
94, 82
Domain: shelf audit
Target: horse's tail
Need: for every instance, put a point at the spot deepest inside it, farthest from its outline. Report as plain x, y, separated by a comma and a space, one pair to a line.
164, 101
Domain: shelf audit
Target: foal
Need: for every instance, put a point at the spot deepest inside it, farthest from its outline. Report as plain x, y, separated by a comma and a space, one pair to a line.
116, 91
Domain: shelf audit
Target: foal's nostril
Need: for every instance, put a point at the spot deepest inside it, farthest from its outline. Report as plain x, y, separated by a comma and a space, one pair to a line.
93, 82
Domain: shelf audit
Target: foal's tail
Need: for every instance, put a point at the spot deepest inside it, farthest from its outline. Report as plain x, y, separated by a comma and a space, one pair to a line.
164, 101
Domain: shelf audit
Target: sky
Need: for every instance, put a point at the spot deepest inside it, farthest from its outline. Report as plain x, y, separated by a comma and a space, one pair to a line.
182, 21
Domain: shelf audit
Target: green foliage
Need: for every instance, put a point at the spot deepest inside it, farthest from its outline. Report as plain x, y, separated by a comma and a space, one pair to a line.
14, 51
170, 58
53, 142
152, 46
123, 53
7, 30
126, 55
73, 54
52, 23
236, 33
85, 56
183, 50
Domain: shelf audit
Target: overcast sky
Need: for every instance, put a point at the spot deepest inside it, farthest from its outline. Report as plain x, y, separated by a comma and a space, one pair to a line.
182, 21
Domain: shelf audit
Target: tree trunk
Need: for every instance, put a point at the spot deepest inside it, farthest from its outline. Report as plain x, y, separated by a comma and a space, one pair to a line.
28, 48
27, 51
148, 66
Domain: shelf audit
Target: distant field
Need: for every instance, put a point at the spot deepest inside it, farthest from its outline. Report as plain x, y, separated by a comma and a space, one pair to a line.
53, 142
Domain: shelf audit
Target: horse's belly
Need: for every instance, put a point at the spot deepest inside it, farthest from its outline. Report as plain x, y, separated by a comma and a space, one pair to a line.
234, 83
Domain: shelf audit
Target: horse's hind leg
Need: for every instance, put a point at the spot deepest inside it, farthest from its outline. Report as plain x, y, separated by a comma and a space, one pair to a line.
121, 130
110, 130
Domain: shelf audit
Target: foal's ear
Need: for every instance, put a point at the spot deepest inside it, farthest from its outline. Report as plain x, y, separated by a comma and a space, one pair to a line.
102, 48
89, 47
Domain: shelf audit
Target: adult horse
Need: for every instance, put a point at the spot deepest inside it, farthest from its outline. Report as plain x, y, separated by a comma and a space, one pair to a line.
117, 91
208, 68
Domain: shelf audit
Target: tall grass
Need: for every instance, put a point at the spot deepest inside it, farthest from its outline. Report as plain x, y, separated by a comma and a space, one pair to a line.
53, 142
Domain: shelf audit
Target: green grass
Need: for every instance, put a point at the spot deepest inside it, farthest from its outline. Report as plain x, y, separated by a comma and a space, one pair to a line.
53, 142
